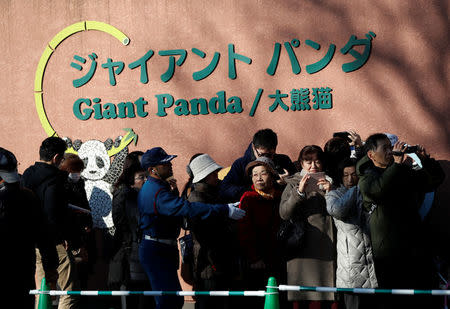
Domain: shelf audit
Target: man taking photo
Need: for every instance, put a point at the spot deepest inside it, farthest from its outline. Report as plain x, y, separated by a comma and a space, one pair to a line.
392, 192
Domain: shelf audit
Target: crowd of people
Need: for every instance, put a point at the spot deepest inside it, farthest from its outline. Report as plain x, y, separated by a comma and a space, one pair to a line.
355, 206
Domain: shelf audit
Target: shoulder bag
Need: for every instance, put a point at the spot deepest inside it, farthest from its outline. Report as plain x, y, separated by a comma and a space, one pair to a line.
290, 236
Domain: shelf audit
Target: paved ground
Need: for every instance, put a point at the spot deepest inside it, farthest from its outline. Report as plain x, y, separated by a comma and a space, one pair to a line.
188, 306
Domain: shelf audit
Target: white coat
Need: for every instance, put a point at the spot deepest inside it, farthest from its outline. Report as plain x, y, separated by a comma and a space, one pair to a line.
355, 266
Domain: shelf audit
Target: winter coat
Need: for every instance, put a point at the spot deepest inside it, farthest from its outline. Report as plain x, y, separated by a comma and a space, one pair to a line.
214, 245
125, 216
122, 200
258, 229
236, 182
393, 196
355, 266
23, 227
315, 263
47, 182
76, 195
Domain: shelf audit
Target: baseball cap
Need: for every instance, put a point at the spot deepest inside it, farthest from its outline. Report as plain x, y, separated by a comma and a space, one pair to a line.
202, 166
155, 156
392, 138
8, 166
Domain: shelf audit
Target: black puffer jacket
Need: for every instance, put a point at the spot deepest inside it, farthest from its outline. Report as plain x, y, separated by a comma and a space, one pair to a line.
22, 228
47, 182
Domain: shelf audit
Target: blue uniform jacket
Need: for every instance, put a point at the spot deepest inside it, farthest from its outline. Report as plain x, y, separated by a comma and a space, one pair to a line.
161, 211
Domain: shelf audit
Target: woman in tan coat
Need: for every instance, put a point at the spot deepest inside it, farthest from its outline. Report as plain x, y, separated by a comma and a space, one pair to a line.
315, 262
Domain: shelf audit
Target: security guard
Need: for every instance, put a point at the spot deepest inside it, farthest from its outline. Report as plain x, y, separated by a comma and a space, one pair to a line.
161, 214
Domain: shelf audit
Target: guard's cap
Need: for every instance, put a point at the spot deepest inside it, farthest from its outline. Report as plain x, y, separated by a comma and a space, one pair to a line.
155, 156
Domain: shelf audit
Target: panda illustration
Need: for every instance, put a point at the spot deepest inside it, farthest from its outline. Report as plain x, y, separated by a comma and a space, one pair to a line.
99, 175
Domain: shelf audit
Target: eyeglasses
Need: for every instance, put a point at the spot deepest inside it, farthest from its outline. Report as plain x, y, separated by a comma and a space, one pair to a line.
265, 154
256, 175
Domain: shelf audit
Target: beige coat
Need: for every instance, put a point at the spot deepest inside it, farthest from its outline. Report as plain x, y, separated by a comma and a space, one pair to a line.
315, 264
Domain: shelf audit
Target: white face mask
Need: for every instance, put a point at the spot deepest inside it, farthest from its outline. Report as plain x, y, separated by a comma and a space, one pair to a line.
74, 177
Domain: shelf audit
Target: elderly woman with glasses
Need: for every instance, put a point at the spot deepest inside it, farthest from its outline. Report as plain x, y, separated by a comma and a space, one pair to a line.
258, 230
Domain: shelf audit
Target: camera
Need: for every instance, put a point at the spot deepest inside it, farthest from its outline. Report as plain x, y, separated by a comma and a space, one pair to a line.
411, 149
343, 135
279, 169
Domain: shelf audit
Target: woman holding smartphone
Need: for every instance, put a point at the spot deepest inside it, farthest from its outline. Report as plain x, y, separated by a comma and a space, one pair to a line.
314, 263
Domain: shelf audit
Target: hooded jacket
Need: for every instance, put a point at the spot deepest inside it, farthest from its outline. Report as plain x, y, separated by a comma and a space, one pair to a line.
47, 182
236, 182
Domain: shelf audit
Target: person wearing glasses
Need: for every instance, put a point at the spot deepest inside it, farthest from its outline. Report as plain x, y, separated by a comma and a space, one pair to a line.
126, 239
264, 144
257, 232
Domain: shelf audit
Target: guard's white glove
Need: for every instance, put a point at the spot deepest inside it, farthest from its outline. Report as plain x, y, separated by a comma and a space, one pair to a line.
234, 212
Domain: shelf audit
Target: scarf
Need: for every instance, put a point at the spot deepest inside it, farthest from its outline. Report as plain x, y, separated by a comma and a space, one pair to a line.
267, 196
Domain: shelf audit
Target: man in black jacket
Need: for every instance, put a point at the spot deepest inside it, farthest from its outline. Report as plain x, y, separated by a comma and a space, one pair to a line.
47, 182
264, 144
22, 228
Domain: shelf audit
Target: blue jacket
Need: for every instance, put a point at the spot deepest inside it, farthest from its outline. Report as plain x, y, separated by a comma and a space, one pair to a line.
162, 211
236, 181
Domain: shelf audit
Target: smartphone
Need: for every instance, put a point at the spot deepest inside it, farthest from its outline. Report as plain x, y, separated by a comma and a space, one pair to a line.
311, 184
343, 135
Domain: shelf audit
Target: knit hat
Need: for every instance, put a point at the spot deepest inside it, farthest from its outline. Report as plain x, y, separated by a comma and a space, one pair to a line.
8, 166
202, 166
155, 156
265, 161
